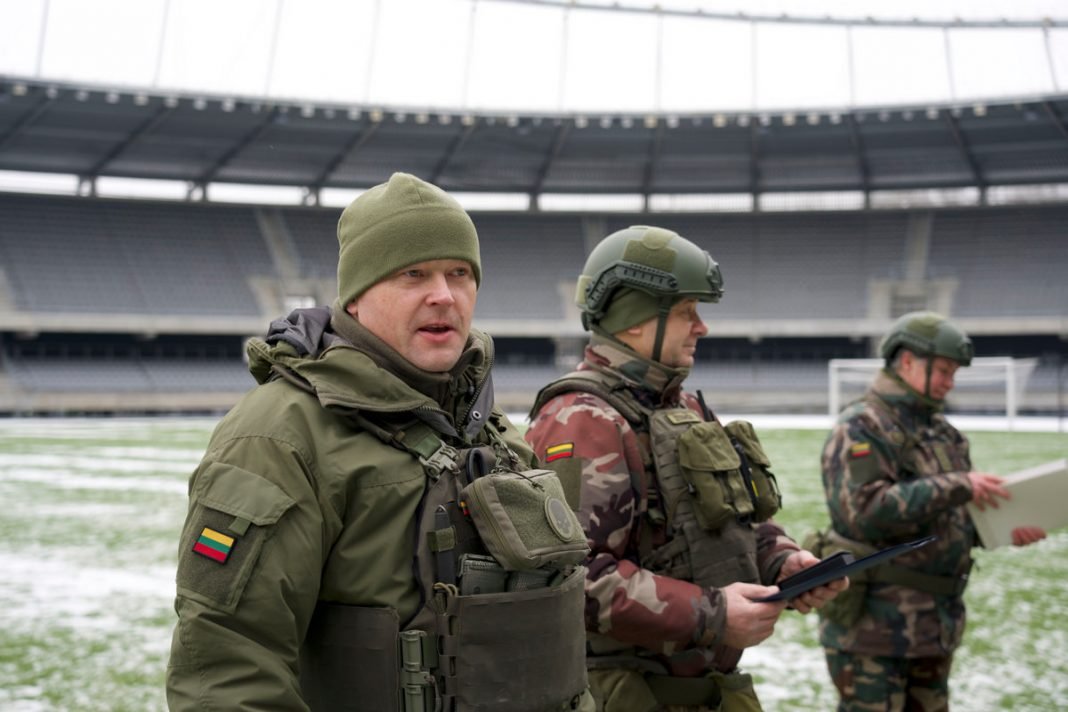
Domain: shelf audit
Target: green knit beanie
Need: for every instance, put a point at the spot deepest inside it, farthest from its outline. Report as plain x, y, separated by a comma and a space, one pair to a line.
629, 307
399, 223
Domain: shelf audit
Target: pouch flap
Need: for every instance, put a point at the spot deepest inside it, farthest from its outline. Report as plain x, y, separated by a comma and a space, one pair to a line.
246, 495
742, 430
705, 446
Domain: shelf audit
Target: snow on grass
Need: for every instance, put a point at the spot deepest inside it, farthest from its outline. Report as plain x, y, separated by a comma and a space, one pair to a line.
88, 542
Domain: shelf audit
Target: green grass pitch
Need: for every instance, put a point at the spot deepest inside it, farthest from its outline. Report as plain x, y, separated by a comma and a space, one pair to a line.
88, 540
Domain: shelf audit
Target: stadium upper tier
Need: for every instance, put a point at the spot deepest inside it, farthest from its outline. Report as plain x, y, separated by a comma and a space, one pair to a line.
98, 132
127, 266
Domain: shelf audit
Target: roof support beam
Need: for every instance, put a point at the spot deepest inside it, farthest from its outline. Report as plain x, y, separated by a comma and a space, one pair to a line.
754, 164
966, 153
351, 148
146, 127
863, 168
455, 145
261, 128
559, 139
26, 120
1058, 120
656, 142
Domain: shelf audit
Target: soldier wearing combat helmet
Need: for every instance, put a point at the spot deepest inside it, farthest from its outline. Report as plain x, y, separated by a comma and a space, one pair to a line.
676, 505
895, 470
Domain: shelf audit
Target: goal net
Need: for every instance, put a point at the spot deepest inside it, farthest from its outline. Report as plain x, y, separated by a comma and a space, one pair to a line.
990, 385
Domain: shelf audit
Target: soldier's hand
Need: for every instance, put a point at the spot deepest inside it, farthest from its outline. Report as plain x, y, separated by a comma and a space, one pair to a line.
817, 597
1022, 536
986, 489
749, 622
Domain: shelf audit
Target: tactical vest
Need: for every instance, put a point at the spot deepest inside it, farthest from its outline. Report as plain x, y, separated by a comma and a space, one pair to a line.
502, 596
712, 483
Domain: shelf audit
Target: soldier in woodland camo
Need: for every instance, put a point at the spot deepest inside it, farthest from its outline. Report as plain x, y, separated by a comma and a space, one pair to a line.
681, 540
895, 470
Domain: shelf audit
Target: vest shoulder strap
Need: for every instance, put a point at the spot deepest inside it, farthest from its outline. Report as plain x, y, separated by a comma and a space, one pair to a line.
603, 385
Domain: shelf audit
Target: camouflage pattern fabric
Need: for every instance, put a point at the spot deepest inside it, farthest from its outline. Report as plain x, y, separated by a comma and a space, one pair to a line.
894, 470
673, 622
868, 683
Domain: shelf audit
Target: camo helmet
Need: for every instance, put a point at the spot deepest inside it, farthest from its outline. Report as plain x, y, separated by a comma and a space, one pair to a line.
652, 260
927, 334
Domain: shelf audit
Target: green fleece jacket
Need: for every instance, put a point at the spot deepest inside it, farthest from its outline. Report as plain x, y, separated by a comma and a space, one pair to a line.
294, 503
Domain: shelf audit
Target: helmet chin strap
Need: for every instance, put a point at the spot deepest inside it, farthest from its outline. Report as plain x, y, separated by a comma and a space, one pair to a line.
927, 377
661, 327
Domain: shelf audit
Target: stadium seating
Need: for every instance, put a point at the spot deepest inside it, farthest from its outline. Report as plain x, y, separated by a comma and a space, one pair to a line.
93, 260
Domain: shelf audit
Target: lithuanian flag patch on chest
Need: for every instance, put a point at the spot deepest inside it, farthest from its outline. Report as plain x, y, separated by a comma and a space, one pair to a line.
559, 452
860, 449
214, 545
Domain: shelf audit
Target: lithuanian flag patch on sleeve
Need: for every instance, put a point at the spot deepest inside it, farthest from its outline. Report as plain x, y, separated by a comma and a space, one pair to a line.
214, 545
860, 449
559, 452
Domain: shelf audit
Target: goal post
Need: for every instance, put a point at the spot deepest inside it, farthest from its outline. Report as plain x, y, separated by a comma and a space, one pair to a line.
993, 382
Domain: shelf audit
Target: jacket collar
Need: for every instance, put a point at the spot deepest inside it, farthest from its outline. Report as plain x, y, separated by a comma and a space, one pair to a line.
308, 351
651, 381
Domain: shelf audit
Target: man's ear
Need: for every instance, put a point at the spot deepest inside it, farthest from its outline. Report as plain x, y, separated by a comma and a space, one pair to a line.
351, 309
635, 330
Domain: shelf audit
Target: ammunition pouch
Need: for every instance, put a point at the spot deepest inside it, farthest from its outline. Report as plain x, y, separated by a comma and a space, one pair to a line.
726, 472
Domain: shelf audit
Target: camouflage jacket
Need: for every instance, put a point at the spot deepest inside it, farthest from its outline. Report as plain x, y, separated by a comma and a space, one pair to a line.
895, 470
675, 621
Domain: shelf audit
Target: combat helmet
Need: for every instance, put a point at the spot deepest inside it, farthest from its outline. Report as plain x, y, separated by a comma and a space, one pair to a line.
927, 334
652, 260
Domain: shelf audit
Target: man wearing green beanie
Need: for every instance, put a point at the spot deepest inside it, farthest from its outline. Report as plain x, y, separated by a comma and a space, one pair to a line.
676, 506
331, 558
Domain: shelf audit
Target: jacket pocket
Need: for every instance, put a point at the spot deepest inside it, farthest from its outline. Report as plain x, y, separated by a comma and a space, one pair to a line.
231, 518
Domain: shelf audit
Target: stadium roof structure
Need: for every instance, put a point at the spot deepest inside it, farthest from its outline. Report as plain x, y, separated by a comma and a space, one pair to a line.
97, 131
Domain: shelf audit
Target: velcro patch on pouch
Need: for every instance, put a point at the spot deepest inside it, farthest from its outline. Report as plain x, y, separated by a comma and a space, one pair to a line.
214, 545
558, 452
860, 450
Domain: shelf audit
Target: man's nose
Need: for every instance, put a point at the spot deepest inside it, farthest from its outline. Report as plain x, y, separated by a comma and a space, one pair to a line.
440, 292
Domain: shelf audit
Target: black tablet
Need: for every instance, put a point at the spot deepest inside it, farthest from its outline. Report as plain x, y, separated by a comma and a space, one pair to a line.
835, 567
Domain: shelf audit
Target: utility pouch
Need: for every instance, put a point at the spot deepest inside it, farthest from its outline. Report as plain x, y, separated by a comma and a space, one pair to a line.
766, 495
524, 520
521, 651
712, 471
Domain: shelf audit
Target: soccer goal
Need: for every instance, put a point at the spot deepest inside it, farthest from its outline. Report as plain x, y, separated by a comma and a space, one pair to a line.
990, 384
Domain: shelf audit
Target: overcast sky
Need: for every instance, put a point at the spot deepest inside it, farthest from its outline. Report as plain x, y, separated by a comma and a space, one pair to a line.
494, 55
